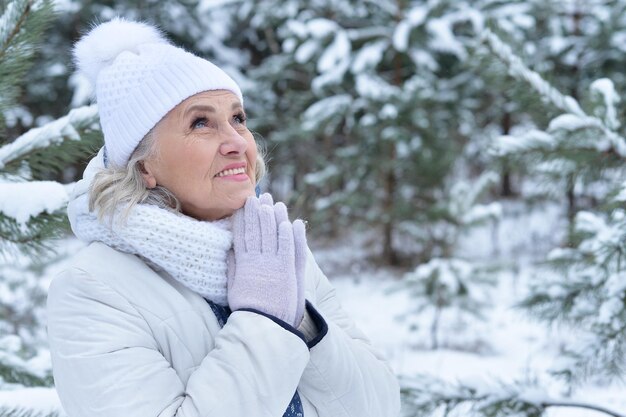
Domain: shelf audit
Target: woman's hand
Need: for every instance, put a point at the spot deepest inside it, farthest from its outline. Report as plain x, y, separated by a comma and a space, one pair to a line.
266, 269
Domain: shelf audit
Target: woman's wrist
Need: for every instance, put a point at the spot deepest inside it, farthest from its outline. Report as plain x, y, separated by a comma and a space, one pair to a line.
308, 327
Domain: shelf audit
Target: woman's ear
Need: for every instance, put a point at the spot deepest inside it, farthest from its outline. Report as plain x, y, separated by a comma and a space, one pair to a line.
147, 172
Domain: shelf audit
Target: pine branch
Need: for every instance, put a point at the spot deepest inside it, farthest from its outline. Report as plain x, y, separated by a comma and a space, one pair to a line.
518, 69
576, 404
16, 11
70, 127
563, 102
24, 412
21, 26
15, 374
428, 395
34, 237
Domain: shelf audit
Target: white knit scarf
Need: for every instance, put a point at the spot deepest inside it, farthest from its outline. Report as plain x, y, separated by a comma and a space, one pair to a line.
193, 252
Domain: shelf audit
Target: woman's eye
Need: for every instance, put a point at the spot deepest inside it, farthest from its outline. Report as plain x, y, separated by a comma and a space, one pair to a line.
199, 122
239, 118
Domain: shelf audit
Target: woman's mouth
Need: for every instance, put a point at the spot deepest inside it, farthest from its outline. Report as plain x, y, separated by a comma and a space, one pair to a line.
235, 174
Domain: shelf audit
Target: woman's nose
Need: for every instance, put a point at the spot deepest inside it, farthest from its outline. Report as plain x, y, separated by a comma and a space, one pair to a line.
232, 143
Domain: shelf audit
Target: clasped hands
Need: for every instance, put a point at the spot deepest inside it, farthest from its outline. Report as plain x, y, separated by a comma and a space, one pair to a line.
267, 263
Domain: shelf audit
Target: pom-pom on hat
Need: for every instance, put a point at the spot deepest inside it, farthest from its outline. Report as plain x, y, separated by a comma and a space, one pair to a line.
139, 77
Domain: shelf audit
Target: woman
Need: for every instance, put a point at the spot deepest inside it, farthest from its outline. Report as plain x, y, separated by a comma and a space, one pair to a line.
194, 297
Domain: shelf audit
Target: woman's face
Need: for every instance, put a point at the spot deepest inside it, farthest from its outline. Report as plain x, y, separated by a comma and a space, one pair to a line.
205, 155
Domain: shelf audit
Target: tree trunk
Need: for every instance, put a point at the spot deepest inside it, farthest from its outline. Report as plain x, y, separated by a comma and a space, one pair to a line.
506, 190
389, 254
434, 329
571, 177
571, 204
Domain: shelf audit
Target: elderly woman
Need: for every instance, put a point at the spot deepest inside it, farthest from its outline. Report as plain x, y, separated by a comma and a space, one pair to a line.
194, 297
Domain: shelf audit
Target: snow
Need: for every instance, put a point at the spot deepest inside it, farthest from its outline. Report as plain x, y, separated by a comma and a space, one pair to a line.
325, 109
10, 346
319, 28
305, 52
605, 88
507, 346
402, 32
571, 122
374, 87
66, 6
297, 27
443, 38
401, 36
417, 15
610, 309
589, 222
389, 111
335, 59
51, 133
621, 196
369, 56
481, 212
10, 343
289, 45
23, 200
8, 16
447, 271
56, 69
518, 69
532, 138
618, 41
17, 114
335, 53
83, 90
321, 176
423, 59
43, 400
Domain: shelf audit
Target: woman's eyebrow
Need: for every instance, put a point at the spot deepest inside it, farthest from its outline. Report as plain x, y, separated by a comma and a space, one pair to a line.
201, 107
208, 108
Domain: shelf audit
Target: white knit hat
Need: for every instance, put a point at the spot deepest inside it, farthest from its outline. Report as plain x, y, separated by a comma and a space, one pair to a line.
139, 77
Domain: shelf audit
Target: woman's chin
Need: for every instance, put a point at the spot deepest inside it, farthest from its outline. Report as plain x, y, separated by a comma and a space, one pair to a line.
221, 203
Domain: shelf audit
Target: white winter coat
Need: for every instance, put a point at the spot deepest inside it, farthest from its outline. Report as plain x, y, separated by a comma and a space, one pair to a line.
127, 341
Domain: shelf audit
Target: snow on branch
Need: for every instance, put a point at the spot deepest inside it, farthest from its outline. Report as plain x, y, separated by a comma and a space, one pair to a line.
11, 20
519, 70
427, 394
528, 140
604, 88
621, 193
52, 133
25, 412
565, 103
589, 297
25, 200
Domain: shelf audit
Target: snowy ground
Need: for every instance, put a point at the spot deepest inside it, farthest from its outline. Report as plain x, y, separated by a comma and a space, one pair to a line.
506, 347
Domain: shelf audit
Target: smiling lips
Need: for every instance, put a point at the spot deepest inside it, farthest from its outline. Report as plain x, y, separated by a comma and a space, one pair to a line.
236, 172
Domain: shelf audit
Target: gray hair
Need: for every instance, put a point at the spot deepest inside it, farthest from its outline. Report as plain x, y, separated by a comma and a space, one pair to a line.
124, 187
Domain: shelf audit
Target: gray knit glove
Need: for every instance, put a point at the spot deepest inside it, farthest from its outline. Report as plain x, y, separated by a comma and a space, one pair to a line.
266, 268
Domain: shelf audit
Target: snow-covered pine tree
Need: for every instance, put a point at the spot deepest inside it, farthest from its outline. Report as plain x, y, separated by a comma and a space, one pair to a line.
503, 106
426, 395
585, 290
362, 97
29, 215
571, 43
449, 288
589, 293
31, 207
